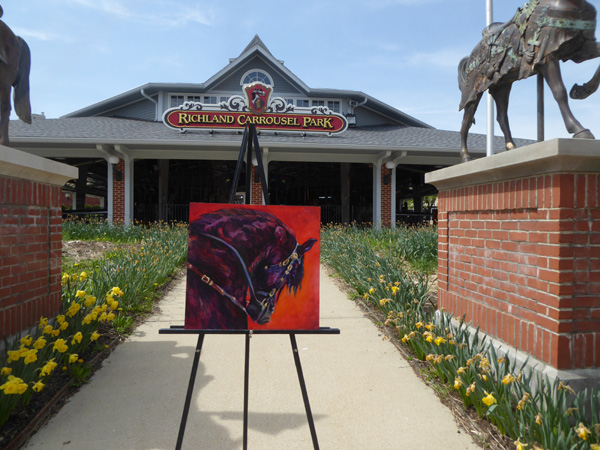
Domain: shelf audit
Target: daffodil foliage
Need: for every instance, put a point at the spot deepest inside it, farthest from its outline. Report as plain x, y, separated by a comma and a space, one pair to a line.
534, 412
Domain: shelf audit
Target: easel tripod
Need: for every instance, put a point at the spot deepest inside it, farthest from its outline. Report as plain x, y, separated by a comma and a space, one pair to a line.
249, 145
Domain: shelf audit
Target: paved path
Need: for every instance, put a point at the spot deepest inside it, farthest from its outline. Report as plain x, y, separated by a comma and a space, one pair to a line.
363, 394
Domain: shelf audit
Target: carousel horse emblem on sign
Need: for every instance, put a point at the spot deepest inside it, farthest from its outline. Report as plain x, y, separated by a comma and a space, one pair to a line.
257, 95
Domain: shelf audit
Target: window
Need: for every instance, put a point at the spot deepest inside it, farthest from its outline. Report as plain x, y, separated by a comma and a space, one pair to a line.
223, 99
334, 106
303, 103
194, 98
289, 101
256, 75
210, 99
318, 102
176, 100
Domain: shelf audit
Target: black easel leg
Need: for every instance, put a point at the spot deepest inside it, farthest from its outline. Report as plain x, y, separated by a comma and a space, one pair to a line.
246, 383
188, 398
311, 423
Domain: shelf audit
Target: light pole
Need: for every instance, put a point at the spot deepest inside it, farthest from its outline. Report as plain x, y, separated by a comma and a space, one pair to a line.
489, 15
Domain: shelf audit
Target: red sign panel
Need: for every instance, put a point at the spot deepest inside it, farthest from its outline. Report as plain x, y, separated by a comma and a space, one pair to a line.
181, 119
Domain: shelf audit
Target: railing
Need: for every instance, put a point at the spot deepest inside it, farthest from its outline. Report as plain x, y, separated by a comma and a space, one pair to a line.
181, 213
85, 214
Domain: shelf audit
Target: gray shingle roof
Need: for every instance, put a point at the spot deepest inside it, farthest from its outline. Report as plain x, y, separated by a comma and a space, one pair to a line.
106, 130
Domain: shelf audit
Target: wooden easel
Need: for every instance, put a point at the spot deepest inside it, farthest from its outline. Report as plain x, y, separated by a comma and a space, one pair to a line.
249, 145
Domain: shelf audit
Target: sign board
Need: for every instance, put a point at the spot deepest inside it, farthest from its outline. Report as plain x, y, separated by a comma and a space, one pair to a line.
253, 267
256, 108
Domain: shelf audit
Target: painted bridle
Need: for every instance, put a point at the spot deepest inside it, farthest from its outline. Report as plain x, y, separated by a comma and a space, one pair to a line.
268, 298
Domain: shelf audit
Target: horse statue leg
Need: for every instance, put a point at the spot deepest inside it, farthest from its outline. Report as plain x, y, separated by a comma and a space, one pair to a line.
4, 113
501, 94
468, 120
551, 73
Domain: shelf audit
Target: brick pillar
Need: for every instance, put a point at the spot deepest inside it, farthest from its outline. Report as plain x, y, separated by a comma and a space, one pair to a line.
519, 249
119, 193
31, 238
256, 189
386, 197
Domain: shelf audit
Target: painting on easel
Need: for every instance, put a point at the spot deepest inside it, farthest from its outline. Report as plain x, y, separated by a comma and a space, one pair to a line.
253, 267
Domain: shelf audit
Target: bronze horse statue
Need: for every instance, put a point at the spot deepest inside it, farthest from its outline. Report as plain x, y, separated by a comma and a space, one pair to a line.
540, 35
15, 63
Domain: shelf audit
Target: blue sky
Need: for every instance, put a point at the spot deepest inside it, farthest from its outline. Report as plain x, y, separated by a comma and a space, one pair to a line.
402, 52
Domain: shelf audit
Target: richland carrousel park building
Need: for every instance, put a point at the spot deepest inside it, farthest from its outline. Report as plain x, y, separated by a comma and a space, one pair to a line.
519, 233
373, 171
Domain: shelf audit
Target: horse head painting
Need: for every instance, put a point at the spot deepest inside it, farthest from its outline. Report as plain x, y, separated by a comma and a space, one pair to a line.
15, 62
239, 262
540, 35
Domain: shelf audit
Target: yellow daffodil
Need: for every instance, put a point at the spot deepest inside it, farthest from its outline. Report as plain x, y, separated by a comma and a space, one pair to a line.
60, 319
457, 383
77, 338
484, 364
48, 368
508, 379
470, 389
5, 371
429, 326
405, 339
522, 402
64, 326
87, 319
60, 345
74, 308
489, 399
439, 341
395, 290
27, 340
83, 276
429, 338
80, 294
30, 356
14, 385
582, 431
103, 317
418, 325
520, 445
117, 291
371, 290
595, 446
382, 302
501, 360
43, 322
48, 329
37, 387
538, 419
14, 355
65, 279
55, 333
89, 301
40, 343
73, 358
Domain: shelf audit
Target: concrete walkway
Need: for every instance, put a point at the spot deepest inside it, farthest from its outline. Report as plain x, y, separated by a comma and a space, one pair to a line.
363, 394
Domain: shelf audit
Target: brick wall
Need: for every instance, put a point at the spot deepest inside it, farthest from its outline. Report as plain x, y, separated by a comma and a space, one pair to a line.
520, 257
256, 197
30, 238
119, 194
386, 197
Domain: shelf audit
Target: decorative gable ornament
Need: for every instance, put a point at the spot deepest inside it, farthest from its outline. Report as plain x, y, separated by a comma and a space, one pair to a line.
255, 107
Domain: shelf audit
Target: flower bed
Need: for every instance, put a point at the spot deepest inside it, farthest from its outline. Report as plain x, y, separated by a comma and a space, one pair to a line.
386, 271
101, 299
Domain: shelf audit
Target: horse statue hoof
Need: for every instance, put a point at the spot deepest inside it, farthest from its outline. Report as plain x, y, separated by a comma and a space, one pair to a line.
580, 92
584, 134
466, 158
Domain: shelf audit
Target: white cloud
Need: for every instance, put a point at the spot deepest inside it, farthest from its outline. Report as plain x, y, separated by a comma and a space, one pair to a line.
166, 14
37, 34
444, 58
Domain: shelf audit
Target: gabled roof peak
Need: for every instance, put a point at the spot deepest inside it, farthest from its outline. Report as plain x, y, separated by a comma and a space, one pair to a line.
256, 41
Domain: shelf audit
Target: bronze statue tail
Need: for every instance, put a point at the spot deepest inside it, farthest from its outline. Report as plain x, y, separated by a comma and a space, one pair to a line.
21, 84
462, 72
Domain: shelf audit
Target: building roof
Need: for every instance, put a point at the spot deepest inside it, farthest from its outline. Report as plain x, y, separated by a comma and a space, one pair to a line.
144, 139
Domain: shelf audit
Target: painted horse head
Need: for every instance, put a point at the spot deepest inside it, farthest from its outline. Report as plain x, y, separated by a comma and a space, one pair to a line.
239, 262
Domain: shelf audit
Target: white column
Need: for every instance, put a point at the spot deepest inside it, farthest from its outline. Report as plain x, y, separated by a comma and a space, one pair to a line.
377, 194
